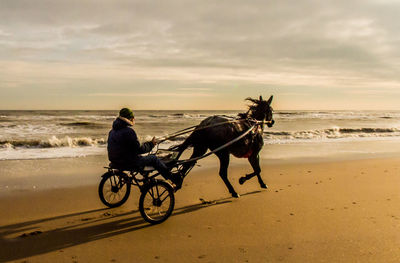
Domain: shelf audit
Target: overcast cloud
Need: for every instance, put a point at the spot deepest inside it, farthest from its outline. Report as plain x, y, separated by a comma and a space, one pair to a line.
309, 54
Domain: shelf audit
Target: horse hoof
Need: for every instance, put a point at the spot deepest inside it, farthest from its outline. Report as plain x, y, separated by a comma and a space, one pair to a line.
242, 180
235, 195
264, 186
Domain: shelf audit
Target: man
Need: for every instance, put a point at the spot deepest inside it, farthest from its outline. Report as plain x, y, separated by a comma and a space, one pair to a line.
124, 149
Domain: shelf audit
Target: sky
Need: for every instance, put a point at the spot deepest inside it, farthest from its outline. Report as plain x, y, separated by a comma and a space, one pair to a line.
199, 54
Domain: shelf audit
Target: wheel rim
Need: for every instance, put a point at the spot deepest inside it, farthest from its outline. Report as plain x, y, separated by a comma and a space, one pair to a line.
157, 202
114, 189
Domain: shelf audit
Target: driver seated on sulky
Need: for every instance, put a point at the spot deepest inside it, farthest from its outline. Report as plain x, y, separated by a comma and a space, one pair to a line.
124, 148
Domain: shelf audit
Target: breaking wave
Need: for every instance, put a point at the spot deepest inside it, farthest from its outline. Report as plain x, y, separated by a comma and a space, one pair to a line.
52, 142
85, 124
331, 133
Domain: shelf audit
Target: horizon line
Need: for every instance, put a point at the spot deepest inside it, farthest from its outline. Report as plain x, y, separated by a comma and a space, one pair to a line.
198, 110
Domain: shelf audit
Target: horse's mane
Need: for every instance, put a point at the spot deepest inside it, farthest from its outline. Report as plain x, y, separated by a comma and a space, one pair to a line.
251, 108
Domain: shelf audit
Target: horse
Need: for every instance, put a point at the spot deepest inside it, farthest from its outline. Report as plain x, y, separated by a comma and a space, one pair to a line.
216, 131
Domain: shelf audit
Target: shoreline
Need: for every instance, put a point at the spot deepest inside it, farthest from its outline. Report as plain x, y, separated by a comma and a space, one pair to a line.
33, 175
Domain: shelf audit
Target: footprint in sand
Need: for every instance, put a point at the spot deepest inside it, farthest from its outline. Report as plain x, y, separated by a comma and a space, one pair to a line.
34, 233
87, 218
201, 256
242, 250
205, 202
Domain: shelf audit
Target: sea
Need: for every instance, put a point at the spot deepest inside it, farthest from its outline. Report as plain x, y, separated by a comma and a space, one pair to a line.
296, 134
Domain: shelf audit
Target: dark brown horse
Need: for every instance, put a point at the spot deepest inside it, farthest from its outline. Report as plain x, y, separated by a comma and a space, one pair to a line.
217, 135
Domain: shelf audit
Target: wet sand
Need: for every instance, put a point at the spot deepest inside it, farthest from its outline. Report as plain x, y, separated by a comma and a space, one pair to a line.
336, 211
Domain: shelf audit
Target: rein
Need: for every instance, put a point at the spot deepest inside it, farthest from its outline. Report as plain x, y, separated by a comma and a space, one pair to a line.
196, 127
192, 128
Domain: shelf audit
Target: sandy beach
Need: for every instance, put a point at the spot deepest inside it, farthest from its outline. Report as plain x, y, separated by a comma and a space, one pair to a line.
336, 211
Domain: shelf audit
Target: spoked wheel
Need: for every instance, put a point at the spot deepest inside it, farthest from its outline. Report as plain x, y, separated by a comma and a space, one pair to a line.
157, 202
114, 190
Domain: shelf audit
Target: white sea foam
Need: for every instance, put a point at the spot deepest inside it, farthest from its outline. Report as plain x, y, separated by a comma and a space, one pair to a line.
46, 153
337, 115
52, 142
335, 133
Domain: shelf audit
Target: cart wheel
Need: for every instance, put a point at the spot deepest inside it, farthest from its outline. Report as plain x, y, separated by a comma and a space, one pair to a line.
157, 202
114, 190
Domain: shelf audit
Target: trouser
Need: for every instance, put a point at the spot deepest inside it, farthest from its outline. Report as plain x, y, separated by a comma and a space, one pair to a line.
152, 160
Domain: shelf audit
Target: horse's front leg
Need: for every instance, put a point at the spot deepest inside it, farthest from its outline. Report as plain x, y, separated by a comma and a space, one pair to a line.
223, 171
254, 161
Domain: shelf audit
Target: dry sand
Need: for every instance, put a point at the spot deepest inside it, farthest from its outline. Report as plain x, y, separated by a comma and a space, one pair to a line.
339, 211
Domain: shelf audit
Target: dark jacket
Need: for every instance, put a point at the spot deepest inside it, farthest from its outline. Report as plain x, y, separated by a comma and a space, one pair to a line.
123, 145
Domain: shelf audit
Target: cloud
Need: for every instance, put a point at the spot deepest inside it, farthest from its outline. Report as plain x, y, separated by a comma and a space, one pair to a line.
194, 89
340, 44
153, 94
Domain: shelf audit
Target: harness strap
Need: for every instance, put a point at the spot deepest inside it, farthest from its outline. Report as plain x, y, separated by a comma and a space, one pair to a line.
196, 127
221, 147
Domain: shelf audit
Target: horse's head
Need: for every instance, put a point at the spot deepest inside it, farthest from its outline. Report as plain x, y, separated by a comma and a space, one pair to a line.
261, 110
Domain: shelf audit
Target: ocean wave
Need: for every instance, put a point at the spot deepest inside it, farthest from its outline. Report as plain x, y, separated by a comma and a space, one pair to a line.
336, 115
52, 142
331, 133
369, 130
187, 115
178, 114
87, 124
28, 129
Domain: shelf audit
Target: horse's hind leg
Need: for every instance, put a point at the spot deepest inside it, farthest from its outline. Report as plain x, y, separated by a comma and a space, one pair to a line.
223, 157
254, 161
